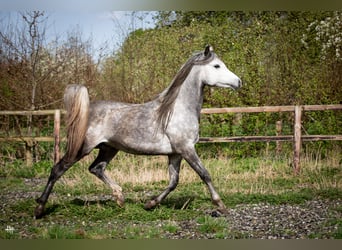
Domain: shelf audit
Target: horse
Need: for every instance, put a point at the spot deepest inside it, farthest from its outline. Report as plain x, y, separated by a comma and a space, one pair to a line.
167, 125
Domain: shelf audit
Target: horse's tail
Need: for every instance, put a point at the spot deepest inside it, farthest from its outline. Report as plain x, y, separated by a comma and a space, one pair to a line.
76, 101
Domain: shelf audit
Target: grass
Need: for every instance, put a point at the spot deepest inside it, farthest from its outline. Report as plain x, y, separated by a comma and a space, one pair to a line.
81, 205
208, 224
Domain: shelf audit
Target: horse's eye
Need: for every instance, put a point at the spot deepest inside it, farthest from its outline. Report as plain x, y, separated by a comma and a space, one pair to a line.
216, 66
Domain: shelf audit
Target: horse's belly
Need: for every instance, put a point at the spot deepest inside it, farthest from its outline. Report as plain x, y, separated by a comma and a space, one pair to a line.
141, 146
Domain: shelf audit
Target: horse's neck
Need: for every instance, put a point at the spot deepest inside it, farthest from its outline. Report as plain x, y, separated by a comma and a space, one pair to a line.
191, 95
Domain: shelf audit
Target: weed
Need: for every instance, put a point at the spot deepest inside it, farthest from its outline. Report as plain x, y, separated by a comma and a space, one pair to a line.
208, 224
62, 232
338, 233
171, 227
137, 231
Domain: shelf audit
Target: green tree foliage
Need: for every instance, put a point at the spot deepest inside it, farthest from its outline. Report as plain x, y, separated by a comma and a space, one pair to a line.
264, 48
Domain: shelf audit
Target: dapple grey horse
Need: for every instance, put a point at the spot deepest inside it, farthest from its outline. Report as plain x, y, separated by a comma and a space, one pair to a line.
167, 125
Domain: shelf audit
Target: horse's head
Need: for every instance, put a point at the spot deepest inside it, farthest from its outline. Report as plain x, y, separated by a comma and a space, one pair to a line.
216, 73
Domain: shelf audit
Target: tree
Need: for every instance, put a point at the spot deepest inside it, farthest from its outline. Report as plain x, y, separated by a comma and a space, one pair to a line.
323, 38
34, 70
25, 51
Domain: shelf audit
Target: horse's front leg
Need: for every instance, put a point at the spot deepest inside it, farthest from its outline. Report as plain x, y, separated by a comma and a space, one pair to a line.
192, 158
174, 167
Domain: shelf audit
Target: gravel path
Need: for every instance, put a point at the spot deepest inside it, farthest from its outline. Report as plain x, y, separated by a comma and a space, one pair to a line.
285, 221
313, 219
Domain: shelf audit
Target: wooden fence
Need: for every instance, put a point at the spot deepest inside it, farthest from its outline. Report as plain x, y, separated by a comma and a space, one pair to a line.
296, 138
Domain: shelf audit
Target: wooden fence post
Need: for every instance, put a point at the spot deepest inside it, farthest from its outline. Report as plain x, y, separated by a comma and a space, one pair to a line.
279, 128
297, 139
28, 152
57, 125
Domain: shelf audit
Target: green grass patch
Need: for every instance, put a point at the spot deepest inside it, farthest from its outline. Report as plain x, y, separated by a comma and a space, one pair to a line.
208, 224
81, 206
11, 183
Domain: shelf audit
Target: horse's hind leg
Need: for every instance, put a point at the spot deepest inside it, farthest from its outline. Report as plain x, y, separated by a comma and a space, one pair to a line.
57, 171
97, 168
174, 167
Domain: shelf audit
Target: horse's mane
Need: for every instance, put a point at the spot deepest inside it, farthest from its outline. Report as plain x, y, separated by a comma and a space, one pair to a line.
168, 97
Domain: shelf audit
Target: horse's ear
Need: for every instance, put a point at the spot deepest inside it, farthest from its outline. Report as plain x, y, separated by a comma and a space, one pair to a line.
208, 50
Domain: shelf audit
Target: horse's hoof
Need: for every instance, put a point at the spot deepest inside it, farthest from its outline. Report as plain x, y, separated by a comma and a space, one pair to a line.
222, 210
216, 214
120, 202
38, 212
221, 207
150, 205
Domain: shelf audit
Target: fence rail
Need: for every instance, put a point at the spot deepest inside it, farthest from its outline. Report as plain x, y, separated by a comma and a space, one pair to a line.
296, 138
270, 109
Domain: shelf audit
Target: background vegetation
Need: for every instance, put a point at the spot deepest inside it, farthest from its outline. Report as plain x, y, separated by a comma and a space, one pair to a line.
283, 58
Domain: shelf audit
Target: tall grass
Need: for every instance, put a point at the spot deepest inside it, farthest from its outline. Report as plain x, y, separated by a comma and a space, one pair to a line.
266, 175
